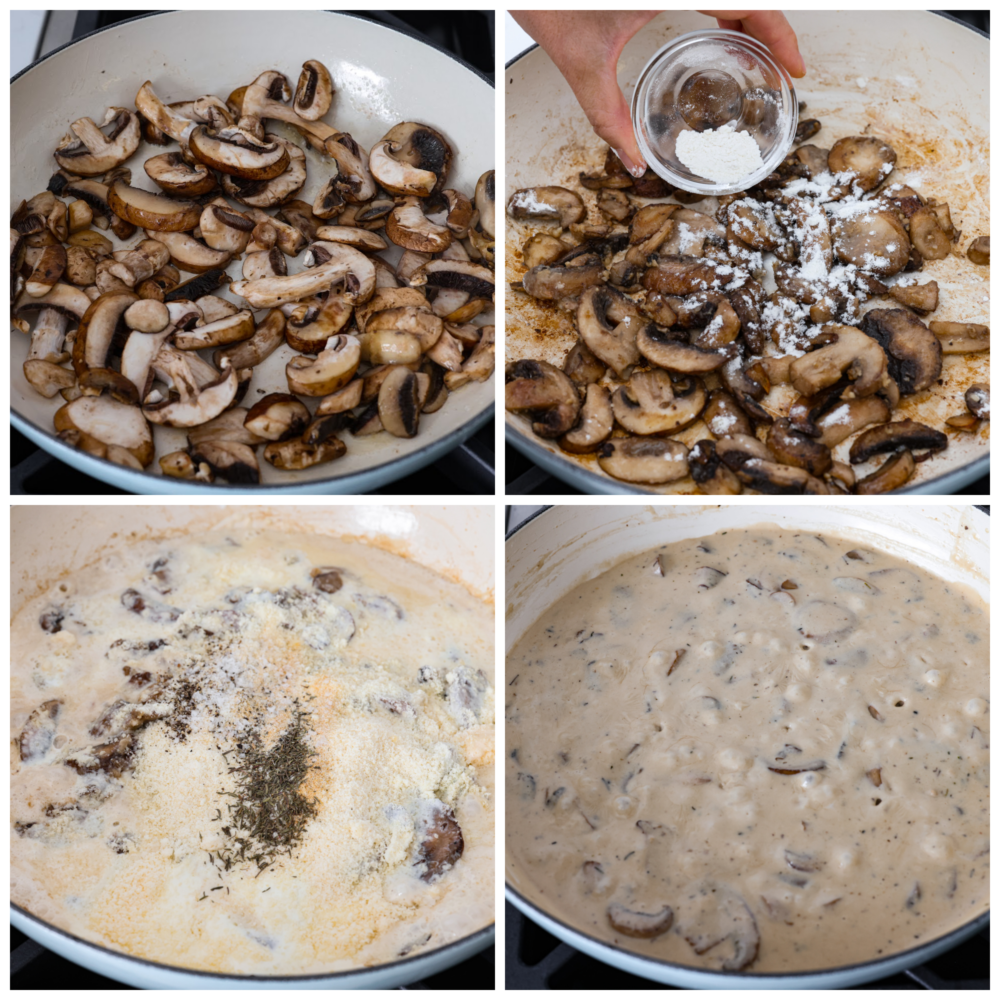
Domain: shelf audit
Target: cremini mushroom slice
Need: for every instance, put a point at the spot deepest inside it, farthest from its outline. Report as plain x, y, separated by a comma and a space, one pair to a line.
223, 228
446, 352
790, 447
300, 216
737, 449
644, 460
264, 264
342, 400
180, 465
96, 332
479, 365
266, 339
330, 370
868, 160
723, 415
227, 426
95, 381
660, 349
411, 159
147, 316
345, 264
81, 267
230, 460
100, 419
408, 227
464, 276
310, 324
94, 242
195, 404
277, 417
921, 299
47, 271
849, 416
314, 91
296, 454
486, 203
595, 423
961, 338
711, 474
389, 347
649, 404
979, 250
891, 476
228, 330
895, 435
164, 117
870, 235
609, 323
353, 236
152, 211
172, 173
93, 153
844, 350
545, 394
633, 923
46, 377
58, 311
189, 254
416, 320
79, 216
399, 402
265, 193
773, 477
977, 399
913, 352
95, 194
542, 248
927, 235
558, 281
547, 202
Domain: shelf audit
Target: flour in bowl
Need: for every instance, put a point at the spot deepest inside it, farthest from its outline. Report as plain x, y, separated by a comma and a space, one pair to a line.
722, 155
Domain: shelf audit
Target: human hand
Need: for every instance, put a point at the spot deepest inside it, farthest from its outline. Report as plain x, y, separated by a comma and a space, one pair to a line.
768, 26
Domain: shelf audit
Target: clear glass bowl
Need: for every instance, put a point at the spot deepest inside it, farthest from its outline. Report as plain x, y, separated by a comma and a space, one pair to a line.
704, 80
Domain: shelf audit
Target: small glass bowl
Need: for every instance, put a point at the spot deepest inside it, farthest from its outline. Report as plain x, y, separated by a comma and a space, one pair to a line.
704, 80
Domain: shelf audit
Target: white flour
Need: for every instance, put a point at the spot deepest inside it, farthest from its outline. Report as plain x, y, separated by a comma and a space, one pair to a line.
722, 155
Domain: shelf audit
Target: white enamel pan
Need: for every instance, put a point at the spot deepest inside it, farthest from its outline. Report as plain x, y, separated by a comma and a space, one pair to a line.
561, 547
918, 79
47, 542
382, 76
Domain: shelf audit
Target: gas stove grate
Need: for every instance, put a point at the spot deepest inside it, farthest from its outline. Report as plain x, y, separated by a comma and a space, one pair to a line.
538, 961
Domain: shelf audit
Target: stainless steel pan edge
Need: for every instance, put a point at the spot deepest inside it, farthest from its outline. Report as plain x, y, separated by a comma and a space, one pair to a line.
562, 546
374, 69
455, 541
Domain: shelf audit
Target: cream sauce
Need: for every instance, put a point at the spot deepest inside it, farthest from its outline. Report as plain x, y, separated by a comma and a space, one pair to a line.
234, 639
653, 715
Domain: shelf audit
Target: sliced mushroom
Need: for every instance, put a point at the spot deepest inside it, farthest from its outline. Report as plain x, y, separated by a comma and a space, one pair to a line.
545, 394
773, 477
222, 228
353, 236
152, 211
926, 234
296, 454
189, 254
97, 329
81, 267
680, 275
892, 436
59, 310
277, 417
101, 421
399, 403
659, 348
479, 365
314, 91
172, 173
609, 323
710, 473
724, 416
421, 323
632, 923
649, 403
313, 322
231, 460
849, 416
979, 250
95, 195
844, 350
261, 193
344, 265
486, 202
227, 426
458, 275
914, 353
95, 381
46, 377
644, 460
40, 729
556, 281
793, 448
582, 365
180, 465
329, 371
47, 271
92, 152
411, 159
547, 202
195, 405
342, 400
228, 330
542, 248
868, 160
977, 399
408, 227
870, 235
595, 423
961, 338
921, 299
891, 476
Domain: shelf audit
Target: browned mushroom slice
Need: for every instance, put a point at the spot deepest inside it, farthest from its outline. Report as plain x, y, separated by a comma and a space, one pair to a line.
979, 250
921, 299
715, 915
892, 436
40, 729
153, 611
867, 159
843, 350
595, 424
662, 349
582, 365
399, 402
708, 471
651, 404
234, 461
557, 281
542, 248
977, 399
893, 474
296, 454
961, 338
615, 205
927, 235
644, 460
753, 223
608, 323
849, 416
115, 758
277, 417
737, 449
793, 448
723, 415
548, 202
441, 843
679, 275
632, 923
772, 477
152, 211
545, 394
870, 235
747, 302
649, 229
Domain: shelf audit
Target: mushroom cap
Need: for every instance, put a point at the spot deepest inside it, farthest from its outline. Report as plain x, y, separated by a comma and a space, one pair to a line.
152, 211
314, 91
893, 436
644, 460
411, 159
547, 202
649, 404
408, 227
659, 349
868, 159
545, 393
175, 175
913, 352
843, 350
93, 153
595, 423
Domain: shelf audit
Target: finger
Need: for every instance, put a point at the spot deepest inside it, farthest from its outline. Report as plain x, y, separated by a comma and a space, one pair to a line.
770, 27
608, 113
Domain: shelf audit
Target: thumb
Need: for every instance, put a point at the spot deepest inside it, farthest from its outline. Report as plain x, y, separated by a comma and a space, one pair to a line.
605, 106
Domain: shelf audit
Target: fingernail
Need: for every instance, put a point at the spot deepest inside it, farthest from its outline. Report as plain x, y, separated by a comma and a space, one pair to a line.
635, 169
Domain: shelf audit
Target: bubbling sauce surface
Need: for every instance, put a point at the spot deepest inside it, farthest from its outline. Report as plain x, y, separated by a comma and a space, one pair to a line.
256, 753
760, 750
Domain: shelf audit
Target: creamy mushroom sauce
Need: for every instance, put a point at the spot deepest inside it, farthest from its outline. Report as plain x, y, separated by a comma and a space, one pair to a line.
376, 679
782, 738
